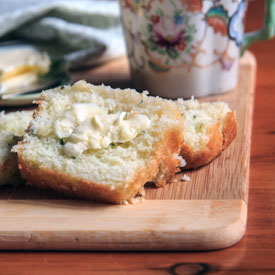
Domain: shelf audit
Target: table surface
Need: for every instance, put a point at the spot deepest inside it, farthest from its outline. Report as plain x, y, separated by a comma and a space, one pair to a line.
254, 254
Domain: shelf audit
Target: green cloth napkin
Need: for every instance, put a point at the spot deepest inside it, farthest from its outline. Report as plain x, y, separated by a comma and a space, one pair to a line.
77, 29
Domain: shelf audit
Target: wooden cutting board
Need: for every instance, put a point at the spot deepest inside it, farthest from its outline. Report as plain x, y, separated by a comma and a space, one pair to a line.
208, 212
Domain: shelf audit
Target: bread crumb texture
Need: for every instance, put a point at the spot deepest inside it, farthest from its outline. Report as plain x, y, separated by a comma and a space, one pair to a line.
12, 128
115, 171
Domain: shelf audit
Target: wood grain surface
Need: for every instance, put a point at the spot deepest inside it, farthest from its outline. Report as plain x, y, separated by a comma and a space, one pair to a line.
152, 225
208, 212
254, 254
224, 178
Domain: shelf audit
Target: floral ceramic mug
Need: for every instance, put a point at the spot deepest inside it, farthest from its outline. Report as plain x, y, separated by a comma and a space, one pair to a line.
180, 48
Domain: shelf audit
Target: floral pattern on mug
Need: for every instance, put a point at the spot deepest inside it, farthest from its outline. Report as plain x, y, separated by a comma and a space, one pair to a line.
236, 24
226, 61
170, 35
133, 5
193, 5
217, 18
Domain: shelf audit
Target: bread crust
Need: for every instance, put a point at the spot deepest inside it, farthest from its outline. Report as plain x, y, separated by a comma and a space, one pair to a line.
229, 130
44, 177
219, 140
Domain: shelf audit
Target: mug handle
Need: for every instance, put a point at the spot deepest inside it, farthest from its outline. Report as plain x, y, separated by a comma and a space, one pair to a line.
265, 33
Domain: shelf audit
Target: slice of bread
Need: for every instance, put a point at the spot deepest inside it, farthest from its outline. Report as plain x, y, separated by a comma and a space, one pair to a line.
101, 143
210, 127
12, 128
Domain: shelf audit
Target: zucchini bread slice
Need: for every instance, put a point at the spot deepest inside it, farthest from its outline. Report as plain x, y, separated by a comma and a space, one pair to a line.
101, 143
12, 128
210, 127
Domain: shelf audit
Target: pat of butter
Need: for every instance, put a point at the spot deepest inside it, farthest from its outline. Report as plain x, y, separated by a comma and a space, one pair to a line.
132, 126
15, 62
78, 113
21, 80
21, 67
63, 127
86, 126
82, 111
